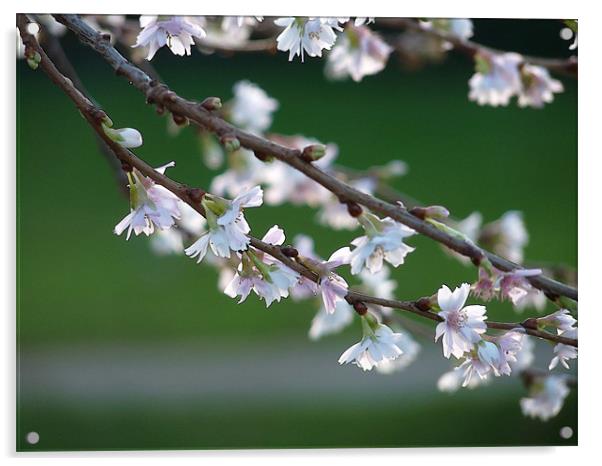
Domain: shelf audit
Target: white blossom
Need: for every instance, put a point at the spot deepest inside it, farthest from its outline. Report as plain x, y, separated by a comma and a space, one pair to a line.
564, 353
538, 87
176, 32
525, 356
360, 21
358, 53
462, 326
151, 205
546, 397
479, 363
227, 225
510, 346
460, 28
383, 242
251, 107
306, 35
378, 344
507, 236
497, 79
326, 323
333, 287
231, 22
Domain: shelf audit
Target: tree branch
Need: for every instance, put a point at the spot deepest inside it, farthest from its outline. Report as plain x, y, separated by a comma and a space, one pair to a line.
160, 94
94, 116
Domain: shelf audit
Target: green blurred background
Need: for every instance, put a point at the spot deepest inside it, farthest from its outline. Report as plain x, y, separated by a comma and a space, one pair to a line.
121, 349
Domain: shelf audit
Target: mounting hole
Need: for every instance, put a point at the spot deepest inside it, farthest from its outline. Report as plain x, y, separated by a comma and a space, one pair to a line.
32, 438
566, 432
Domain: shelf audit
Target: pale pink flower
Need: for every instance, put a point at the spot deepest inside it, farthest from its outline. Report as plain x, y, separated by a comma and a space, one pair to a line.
497, 78
462, 326
547, 396
538, 87
176, 32
564, 353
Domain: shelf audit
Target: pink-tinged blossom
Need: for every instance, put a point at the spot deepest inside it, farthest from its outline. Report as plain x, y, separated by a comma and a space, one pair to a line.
538, 87
358, 53
509, 346
546, 398
252, 109
383, 242
306, 36
462, 326
515, 285
475, 364
151, 205
176, 32
563, 353
497, 78
263, 274
378, 344
228, 228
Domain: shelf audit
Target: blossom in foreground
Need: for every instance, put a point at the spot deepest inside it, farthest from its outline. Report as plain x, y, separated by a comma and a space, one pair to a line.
252, 108
383, 242
176, 32
333, 287
306, 35
515, 285
479, 362
326, 323
151, 205
378, 344
546, 398
358, 53
563, 353
227, 225
497, 78
462, 326
510, 347
538, 87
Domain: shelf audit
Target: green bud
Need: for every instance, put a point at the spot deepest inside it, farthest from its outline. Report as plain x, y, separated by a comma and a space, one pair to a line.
231, 143
313, 152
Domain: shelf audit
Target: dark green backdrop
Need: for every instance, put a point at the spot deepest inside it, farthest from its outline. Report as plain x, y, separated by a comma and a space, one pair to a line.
122, 349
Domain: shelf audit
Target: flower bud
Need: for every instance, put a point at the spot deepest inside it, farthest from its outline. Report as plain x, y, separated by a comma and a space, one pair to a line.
313, 152
360, 308
289, 251
179, 120
434, 211
211, 103
354, 209
230, 143
34, 59
126, 137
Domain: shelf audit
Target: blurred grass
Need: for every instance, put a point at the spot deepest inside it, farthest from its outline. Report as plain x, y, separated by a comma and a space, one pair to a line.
80, 283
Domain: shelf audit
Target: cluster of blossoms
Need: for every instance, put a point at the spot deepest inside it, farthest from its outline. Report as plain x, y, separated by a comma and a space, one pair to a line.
501, 76
222, 236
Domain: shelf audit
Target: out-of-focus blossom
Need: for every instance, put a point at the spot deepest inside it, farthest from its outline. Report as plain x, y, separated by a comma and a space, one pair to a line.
378, 344
497, 78
462, 326
284, 183
358, 53
177, 32
251, 107
306, 35
515, 285
383, 242
507, 236
231, 22
360, 21
525, 356
460, 28
151, 205
409, 351
244, 170
538, 87
546, 398
452, 380
334, 214
326, 323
